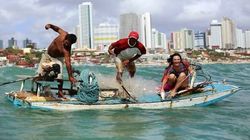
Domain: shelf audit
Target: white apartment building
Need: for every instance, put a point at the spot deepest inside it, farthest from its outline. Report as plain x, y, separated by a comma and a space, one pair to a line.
159, 40
86, 26
104, 35
215, 39
240, 39
129, 22
247, 38
228, 34
146, 30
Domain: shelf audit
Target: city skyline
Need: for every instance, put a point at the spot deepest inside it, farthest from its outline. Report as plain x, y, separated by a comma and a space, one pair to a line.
27, 18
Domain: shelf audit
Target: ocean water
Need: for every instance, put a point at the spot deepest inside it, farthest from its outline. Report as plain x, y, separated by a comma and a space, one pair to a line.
226, 120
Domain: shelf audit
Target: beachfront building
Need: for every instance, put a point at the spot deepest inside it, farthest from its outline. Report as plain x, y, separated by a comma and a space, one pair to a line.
240, 39
129, 22
146, 30
176, 41
12, 43
215, 38
247, 38
86, 26
199, 40
104, 35
159, 40
207, 38
187, 37
77, 33
1, 44
228, 34
183, 39
26, 42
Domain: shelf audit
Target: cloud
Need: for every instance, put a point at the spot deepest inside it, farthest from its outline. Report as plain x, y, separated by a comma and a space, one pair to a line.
27, 18
199, 10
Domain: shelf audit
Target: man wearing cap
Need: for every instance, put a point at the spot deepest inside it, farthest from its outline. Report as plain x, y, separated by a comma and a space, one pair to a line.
126, 50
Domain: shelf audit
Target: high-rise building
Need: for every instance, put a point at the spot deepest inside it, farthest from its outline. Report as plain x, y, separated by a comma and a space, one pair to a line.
228, 34
104, 35
215, 39
187, 37
77, 33
199, 40
1, 44
240, 39
12, 43
176, 41
26, 42
86, 25
159, 40
129, 22
183, 39
247, 38
146, 30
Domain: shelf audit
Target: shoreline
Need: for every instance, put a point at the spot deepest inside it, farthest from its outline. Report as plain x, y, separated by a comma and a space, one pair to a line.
153, 63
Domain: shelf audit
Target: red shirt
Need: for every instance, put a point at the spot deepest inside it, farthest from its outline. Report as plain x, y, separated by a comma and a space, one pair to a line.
122, 44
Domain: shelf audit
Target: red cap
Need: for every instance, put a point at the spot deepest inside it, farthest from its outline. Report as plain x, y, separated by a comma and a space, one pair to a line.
134, 35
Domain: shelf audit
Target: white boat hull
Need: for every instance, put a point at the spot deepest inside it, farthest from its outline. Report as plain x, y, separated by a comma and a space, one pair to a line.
200, 99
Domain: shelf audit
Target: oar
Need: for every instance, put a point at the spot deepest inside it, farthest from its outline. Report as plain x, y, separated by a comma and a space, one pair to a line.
127, 92
14, 81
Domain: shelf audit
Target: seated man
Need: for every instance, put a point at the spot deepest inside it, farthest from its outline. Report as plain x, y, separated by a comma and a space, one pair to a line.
176, 76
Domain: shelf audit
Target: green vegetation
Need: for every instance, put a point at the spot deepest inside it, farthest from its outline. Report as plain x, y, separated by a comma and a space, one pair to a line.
11, 50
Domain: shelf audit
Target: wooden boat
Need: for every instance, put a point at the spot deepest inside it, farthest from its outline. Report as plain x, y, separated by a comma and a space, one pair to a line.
109, 99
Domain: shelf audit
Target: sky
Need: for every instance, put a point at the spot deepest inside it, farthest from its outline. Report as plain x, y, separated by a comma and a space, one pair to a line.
23, 19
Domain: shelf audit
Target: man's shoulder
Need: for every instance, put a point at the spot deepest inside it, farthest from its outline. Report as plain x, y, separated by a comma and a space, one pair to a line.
120, 42
141, 47
60, 37
140, 44
123, 40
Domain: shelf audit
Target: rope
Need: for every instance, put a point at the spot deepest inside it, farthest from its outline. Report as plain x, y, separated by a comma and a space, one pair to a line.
88, 88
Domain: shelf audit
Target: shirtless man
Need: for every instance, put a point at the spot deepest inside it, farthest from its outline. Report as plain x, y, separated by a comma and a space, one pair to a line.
58, 52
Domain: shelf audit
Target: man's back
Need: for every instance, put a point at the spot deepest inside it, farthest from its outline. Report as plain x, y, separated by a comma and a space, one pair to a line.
56, 47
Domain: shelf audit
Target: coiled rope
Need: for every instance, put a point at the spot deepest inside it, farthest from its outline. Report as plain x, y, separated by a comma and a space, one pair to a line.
88, 88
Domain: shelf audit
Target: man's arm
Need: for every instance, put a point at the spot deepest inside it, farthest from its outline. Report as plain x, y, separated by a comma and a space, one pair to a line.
68, 65
110, 50
55, 28
134, 58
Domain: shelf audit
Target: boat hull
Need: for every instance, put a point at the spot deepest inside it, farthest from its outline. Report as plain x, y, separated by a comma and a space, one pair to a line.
201, 99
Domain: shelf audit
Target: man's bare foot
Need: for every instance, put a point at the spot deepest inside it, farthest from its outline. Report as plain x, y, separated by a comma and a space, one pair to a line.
60, 95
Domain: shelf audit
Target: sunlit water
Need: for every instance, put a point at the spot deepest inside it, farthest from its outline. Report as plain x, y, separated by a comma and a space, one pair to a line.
228, 119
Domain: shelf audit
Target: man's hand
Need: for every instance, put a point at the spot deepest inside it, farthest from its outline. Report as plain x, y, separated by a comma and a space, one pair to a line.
47, 26
72, 80
126, 62
111, 52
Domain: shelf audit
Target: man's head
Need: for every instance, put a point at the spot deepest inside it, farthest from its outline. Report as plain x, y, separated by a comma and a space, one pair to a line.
133, 38
70, 39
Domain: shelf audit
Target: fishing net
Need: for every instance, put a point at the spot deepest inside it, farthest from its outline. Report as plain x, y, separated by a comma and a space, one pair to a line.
88, 88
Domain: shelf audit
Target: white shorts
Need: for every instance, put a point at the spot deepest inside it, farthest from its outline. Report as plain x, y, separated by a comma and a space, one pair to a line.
47, 60
120, 67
